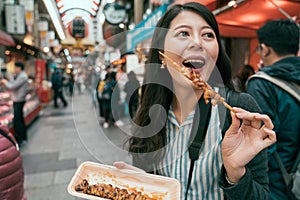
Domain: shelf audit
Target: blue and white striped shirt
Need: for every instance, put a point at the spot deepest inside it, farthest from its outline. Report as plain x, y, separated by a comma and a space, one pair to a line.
204, 183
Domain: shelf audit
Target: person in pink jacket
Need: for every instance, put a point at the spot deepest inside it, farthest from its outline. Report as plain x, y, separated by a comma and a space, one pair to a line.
11, 168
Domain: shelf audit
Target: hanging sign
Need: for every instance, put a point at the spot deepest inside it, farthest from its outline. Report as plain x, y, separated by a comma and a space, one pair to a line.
15, 19
78, 28
114, 13
39, 73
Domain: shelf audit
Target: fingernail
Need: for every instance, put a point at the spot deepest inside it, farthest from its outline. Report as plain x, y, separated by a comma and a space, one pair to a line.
267, 129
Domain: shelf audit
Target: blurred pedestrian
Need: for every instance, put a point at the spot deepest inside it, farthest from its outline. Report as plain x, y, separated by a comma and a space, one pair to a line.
278, 47
71, 82
57, 86
19, 89
99, 91
119, 109
131, 89
93, 79
110, 84
239, 81
80, 82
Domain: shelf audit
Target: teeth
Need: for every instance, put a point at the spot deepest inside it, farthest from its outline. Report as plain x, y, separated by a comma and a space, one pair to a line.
190, 61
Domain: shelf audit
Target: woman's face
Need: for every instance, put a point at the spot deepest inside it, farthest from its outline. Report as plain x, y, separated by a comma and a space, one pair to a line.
191, 43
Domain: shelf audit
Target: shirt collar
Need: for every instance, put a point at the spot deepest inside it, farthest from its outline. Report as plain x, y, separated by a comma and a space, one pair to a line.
172, 119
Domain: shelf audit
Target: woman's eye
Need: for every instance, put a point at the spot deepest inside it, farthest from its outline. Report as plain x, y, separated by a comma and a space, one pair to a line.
209, 35
183, 33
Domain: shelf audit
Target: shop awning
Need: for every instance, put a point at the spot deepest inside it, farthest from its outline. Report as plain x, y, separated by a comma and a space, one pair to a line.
247, 17
243, 20
6, 39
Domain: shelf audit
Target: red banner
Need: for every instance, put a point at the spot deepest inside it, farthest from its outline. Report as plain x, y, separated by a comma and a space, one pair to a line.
40, 66
39, 73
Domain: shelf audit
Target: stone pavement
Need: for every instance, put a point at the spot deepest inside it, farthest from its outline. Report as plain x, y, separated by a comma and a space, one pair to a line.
59, 140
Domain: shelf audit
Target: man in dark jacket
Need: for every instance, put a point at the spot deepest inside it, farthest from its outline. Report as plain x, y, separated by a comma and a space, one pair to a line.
57, 85
278, 47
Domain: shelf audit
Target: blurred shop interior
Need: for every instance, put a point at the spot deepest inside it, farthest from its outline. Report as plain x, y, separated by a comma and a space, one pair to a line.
88, 35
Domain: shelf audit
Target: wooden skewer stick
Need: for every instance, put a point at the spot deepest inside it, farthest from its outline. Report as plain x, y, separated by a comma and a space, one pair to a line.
205, 85
228, 106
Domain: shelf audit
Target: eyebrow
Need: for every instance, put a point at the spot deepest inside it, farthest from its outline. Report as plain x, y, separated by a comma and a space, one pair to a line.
187, 26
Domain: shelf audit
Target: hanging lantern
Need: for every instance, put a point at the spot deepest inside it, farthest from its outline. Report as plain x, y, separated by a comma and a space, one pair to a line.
78, 28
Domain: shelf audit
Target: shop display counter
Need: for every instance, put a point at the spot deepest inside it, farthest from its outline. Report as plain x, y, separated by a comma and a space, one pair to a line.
31, 109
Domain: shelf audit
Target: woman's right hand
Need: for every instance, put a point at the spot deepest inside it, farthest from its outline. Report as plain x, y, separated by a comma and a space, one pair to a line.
123, 165
243, 141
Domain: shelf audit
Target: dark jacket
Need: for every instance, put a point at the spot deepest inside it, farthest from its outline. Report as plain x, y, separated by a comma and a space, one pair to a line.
11, 170
57, 81
283, 109
107, 93
254, 184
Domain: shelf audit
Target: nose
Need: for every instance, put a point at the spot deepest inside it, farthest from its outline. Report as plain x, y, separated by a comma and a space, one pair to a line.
195, 42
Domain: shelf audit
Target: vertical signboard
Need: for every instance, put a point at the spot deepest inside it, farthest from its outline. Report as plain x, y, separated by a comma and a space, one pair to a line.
29, 13
15, 19
39, 73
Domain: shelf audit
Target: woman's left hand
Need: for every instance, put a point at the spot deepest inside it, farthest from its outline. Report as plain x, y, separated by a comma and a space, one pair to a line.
243, 141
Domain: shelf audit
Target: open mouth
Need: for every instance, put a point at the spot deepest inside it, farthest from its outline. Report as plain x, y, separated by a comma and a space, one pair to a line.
193, 64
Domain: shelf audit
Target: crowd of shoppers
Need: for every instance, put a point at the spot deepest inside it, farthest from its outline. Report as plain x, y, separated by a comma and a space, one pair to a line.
118, 98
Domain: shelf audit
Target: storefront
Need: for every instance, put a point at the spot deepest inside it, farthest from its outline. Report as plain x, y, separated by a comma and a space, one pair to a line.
240, 22
15, 50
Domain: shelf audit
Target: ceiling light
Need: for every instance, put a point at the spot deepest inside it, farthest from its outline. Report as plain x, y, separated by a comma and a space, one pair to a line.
46, 49
122, 26
232, 3
55, 18
131, 26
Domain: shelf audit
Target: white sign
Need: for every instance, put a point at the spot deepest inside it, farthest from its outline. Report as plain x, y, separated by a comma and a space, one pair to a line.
28, 4
114, 13
43, 26
132, 62
15, 19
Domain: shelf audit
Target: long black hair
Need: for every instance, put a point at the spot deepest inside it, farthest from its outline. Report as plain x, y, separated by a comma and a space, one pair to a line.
147, 144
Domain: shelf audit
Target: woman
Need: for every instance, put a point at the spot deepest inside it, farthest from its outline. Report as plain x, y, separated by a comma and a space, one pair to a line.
106, 97
234, 166
239, 81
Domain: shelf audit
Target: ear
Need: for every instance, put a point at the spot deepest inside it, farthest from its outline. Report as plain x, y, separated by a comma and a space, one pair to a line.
265, 50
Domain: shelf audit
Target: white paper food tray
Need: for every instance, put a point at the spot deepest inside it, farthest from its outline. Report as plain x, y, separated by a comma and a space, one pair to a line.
152, 185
